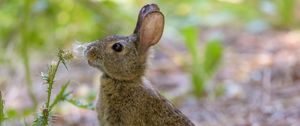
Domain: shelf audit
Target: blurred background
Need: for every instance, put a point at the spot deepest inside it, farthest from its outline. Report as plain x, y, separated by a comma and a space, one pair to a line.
222, 62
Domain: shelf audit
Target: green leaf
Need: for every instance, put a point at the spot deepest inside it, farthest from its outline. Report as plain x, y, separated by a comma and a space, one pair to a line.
60, 96
212, 56
191, 36
79, 104
198, 76
198, 83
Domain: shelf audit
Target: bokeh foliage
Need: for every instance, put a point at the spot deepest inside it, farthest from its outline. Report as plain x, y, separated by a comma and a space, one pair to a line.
203, 66
50, 24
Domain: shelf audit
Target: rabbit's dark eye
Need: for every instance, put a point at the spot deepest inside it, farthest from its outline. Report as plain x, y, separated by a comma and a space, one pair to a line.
117, 47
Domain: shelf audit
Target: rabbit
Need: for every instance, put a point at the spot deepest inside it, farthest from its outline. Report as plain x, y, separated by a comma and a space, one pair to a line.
126, 98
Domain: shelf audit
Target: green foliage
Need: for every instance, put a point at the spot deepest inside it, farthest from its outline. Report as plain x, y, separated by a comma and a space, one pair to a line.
241, 10
79, 104
202, 68
44, 117
191, 34
24, 50
61, 96
286, 12
11, 113
2, 115
191, 37
23, 22
212, 56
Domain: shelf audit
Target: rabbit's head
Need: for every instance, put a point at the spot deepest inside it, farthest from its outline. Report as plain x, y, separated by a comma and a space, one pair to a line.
124, 57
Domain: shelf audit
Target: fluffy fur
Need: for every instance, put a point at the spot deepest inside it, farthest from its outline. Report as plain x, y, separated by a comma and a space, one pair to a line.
126, 98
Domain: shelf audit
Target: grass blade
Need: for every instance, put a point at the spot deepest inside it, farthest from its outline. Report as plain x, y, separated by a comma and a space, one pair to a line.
212, 56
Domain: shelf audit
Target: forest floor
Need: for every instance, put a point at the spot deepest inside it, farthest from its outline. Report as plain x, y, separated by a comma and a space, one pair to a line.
260, 74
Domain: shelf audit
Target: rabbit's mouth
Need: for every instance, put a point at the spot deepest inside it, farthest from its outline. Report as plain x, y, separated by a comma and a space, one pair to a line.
93, 58
95, 63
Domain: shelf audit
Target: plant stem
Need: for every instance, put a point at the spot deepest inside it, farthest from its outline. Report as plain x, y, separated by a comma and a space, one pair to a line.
1, 110
24, 50
51, 81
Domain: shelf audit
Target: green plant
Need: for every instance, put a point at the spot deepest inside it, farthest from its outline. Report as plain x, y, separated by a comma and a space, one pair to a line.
286, 12
79, 104
2, 115
212, 56
44, 117
203, 68
24, 50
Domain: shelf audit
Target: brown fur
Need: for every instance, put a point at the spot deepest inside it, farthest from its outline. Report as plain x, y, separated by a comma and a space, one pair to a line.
126, 98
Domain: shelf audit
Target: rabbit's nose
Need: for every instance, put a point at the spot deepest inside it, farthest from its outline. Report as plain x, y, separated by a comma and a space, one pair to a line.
91, 52
89, 47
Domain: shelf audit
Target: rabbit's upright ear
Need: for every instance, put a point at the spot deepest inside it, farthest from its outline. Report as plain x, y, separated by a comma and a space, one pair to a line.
151, 30
148, 8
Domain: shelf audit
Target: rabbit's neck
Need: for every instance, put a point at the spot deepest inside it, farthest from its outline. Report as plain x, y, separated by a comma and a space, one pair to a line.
110, 85
108, 81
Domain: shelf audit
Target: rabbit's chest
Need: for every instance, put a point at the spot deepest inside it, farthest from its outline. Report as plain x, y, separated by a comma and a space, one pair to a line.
121, 108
